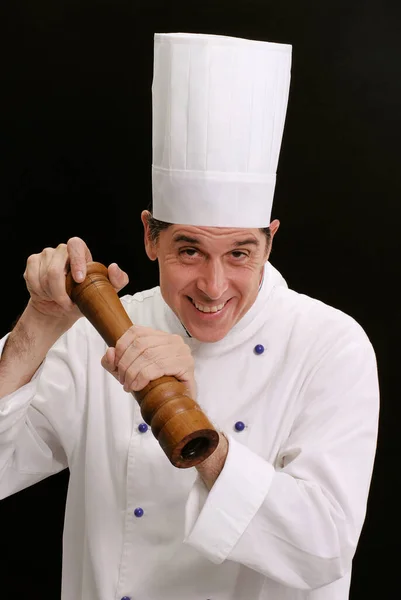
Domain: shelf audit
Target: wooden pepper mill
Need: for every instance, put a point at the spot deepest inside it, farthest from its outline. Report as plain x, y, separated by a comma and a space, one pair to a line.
178, 423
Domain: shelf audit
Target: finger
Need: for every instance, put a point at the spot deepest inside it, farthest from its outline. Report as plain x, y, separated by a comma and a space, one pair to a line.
79, 255
45, 258
140, 374
32, 274
126, 340
140, 365
56, 272
139, 335
137, 369
108, 362
176, 363
174, 366
118, 278
136, 342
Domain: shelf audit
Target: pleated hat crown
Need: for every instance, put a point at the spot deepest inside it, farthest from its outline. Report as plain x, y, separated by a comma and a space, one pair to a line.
219, 106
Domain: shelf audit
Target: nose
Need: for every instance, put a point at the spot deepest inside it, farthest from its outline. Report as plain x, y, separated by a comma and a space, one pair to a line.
212, 280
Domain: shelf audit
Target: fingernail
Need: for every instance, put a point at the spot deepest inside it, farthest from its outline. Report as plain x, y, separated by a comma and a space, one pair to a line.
79, 276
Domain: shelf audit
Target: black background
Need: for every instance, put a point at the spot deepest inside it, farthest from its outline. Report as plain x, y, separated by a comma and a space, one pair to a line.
75, 143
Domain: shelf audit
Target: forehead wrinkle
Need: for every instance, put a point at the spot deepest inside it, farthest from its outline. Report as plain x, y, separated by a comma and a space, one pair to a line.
189, 238
185, 238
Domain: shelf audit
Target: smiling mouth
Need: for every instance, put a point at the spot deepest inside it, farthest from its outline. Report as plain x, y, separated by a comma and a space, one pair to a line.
207, 309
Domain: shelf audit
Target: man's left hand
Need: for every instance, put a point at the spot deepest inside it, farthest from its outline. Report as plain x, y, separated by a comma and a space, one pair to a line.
142, 355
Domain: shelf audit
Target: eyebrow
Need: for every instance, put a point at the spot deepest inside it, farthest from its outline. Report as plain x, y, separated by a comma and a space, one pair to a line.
195, 242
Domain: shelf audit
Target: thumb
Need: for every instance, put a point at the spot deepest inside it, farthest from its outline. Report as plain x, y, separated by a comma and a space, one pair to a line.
118, 277
108, 361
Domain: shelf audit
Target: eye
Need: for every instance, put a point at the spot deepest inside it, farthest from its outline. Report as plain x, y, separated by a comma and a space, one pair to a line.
189, 252
237, 254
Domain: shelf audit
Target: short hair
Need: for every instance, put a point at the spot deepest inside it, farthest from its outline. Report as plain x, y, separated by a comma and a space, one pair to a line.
156, 226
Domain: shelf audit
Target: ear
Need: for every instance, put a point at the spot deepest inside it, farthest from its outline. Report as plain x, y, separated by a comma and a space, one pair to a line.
274, 225
150, 246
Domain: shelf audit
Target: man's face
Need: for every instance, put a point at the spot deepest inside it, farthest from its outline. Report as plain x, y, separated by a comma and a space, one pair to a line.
209, 276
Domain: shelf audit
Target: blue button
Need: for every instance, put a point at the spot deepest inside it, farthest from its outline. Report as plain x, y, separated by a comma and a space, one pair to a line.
142, 427
126, 598
138, 512
239, 426
259, 349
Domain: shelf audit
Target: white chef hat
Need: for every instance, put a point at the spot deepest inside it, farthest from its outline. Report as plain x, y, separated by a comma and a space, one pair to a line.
219, 106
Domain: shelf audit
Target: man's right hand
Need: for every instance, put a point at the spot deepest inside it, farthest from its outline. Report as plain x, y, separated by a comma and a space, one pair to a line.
50, 311
45, 277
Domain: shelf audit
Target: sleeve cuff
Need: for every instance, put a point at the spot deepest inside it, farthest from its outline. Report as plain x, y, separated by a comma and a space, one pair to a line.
215, 520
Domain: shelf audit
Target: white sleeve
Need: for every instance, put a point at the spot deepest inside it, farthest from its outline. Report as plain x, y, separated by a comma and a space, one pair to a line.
299, 524
39, 422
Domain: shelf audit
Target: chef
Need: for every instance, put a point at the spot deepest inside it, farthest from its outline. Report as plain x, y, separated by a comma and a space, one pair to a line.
289, 382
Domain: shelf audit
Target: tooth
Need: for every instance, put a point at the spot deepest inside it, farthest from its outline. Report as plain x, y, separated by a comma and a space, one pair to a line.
207, 309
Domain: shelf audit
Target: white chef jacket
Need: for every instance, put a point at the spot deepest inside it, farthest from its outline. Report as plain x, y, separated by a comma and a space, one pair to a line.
282, 520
